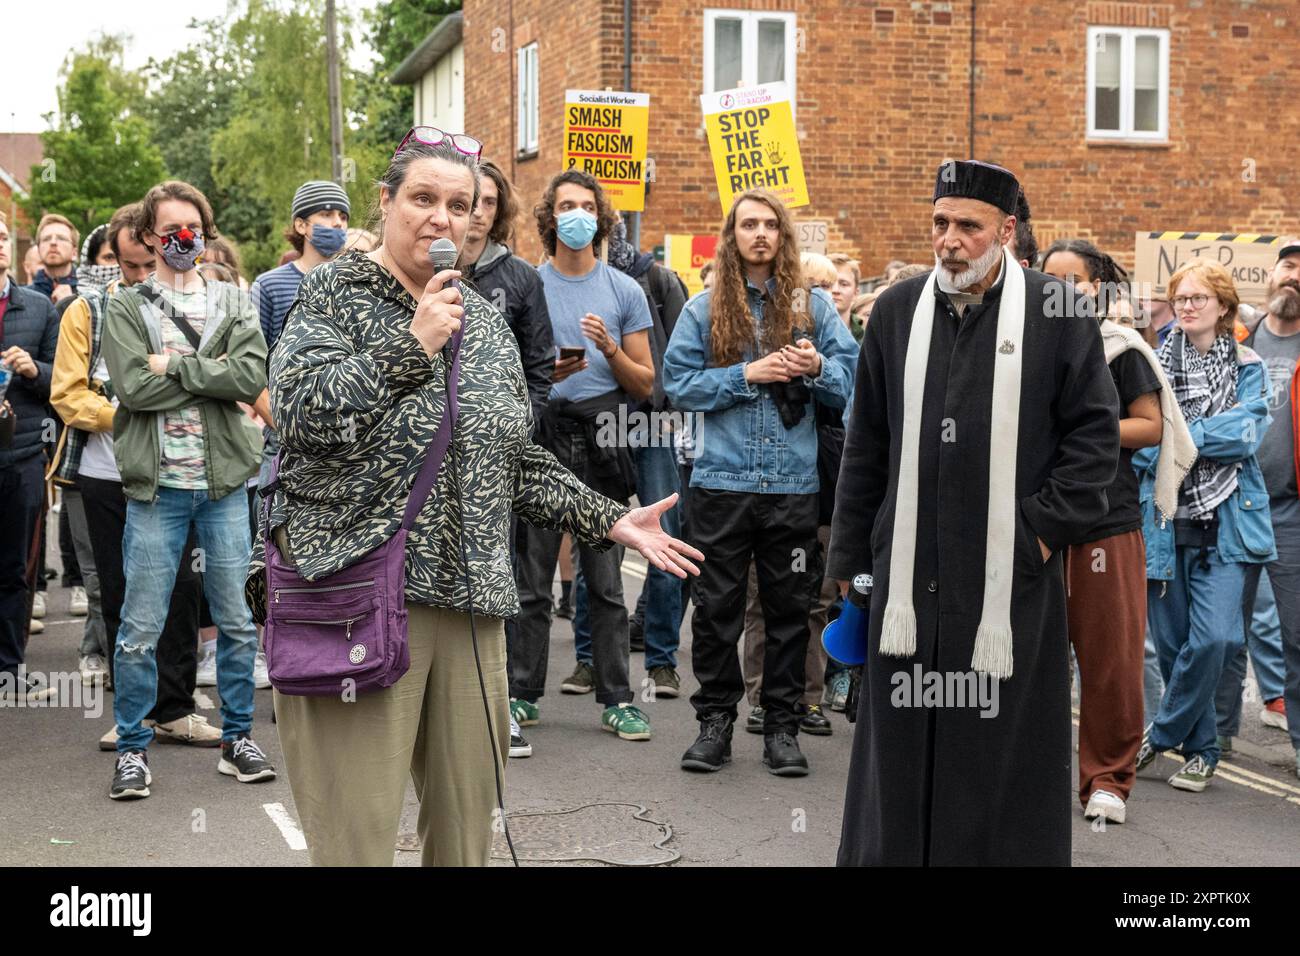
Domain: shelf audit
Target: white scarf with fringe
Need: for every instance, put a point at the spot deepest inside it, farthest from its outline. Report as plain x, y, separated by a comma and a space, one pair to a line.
993, 636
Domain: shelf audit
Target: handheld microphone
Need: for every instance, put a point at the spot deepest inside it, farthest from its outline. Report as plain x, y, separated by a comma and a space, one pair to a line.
845, 638
442, 256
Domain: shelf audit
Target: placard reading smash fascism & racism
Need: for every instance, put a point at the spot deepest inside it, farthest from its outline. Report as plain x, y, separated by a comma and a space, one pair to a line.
606, 134
753, 142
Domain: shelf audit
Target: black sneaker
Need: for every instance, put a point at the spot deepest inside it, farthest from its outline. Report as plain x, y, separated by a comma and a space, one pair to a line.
815, 722
712, 748
782, 756
519, 747
635, 634
564, 609
754, 722
244, 760
131, 777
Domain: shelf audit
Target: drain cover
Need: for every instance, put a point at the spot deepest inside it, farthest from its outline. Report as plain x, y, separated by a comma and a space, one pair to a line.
619, 834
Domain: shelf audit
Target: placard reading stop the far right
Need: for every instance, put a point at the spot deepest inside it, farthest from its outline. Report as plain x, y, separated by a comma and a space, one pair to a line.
753, 142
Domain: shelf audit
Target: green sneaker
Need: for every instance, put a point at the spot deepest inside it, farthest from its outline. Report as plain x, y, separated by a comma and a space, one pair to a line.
1194, 775
582, 681
626, 721
1225, 744
524, 713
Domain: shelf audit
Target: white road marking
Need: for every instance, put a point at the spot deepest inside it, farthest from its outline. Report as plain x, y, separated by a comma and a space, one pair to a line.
288, 826
635, 568
203, 702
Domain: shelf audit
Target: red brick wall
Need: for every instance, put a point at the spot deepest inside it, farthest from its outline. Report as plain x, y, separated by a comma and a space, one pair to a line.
884, 98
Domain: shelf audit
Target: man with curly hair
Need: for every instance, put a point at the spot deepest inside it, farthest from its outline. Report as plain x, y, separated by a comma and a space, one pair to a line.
750, 354
601, 324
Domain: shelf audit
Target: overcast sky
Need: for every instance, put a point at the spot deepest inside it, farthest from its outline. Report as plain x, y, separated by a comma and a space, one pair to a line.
39, 36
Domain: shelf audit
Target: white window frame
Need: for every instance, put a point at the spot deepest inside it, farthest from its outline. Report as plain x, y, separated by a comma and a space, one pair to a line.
749, 45
1127, 81
529, 114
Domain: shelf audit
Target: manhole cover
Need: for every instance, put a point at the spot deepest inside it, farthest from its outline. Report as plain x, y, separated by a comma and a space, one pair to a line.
620, 834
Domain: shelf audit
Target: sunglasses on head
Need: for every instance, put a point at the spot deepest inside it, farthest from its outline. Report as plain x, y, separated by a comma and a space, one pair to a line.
432, 136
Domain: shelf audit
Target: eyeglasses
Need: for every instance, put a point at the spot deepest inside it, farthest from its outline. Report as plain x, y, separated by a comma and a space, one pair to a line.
1198, 301
432, 136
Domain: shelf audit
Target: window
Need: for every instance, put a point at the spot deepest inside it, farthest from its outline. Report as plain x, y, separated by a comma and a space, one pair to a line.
743, 47
528, 96
1128, 83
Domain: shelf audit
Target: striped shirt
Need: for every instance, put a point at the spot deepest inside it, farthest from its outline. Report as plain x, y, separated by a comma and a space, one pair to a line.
273, 292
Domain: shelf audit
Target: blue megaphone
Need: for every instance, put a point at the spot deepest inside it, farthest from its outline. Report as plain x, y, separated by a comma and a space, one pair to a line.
845, 638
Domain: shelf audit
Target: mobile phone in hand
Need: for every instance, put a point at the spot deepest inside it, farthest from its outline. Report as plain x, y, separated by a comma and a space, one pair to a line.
572, 351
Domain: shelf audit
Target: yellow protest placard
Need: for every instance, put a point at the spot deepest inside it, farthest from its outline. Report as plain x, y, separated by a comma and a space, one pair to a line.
1248, 257
606, 134
753, 142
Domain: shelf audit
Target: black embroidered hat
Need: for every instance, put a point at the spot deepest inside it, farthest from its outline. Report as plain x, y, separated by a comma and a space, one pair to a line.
972, 179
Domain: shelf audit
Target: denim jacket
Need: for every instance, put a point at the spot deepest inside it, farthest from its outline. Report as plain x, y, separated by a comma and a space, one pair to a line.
1245, 529
741, 444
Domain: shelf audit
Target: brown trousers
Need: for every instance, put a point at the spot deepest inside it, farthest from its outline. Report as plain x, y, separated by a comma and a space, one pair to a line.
348, 762
1106, 606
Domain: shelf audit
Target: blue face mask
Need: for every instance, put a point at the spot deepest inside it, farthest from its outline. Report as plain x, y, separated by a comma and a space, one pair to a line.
576, 228
327, 240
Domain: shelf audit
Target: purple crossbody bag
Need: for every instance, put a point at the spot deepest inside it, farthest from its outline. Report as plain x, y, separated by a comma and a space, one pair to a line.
347, 631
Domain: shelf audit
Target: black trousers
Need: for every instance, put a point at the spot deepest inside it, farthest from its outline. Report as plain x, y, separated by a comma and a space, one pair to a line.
178, 646
778, 533
21, 487
68, 553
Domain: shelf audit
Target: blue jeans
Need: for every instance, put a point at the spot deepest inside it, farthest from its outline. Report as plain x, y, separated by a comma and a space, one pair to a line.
1153, 685
1196, 624
151, 550
1264, 641
656, 479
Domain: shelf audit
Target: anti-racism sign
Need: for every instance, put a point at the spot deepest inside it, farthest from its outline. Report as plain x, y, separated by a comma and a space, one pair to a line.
753, 142
1248, 257
685, 254
606, 134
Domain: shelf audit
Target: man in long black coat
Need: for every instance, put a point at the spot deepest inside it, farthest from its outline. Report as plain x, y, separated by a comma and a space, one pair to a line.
973, 779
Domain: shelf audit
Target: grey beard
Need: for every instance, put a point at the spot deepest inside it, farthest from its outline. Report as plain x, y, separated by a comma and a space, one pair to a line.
1284, 306
973, 273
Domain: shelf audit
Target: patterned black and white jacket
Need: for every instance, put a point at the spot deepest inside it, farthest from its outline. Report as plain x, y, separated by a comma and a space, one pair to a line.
357, 402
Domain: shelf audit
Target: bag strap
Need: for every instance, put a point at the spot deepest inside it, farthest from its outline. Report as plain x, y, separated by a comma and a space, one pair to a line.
178, 319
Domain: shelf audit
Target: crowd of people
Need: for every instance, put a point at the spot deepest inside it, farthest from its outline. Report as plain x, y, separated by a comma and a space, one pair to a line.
783, 431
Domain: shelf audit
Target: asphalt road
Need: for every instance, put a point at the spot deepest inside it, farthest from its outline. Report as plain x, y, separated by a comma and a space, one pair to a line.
54, 806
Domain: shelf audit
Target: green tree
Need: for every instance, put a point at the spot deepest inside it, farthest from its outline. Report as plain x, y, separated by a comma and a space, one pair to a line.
395, 29
192, 96
101, 155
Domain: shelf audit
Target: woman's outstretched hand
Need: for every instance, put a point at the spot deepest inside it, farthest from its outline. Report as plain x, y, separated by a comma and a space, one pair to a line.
640, 529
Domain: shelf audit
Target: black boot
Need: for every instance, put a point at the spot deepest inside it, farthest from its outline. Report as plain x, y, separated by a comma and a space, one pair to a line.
815, 722
781, 756
712, 748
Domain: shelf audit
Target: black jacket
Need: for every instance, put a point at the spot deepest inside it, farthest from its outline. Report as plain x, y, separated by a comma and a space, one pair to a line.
515, 288
30, 322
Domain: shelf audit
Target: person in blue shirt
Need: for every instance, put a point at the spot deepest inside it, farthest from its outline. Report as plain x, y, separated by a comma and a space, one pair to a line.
750, 354
601, 322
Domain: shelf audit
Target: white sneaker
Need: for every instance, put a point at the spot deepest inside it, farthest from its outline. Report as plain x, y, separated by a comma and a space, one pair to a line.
36, 627
192, 729
78, 604
206, 675
93, 669
261, 679
1105, 804
38, 606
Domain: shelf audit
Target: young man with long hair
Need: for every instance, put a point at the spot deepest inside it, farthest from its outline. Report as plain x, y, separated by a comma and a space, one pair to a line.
750, 354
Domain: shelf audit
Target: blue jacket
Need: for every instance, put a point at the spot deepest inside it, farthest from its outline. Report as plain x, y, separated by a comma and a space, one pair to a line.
31, 323
1245, 529
741, 444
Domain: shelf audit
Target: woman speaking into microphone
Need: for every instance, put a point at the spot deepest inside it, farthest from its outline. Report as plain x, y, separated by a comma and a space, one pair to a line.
376, 349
